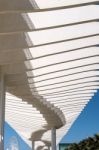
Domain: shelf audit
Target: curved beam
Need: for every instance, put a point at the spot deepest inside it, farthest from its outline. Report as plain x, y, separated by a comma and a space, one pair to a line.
37, 135
37, 101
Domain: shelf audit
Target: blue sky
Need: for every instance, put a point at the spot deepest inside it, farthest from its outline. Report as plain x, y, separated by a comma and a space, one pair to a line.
87, 123
11, 134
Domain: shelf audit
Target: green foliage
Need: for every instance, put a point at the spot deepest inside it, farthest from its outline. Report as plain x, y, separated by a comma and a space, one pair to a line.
91, 143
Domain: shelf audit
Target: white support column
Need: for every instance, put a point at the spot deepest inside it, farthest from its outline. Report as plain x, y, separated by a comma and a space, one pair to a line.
53, 138
33, 145
2, 110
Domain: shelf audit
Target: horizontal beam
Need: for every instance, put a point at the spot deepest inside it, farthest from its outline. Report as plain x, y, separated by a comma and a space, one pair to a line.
33, 6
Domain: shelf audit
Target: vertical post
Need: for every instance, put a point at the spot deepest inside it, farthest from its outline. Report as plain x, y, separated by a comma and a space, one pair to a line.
33, 145
48, 147
2, 110
53, 138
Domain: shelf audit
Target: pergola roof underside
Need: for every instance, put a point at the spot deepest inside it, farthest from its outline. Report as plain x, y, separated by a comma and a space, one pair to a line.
50, 55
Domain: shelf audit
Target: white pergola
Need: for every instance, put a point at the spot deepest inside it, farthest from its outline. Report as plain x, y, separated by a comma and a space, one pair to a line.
49, 66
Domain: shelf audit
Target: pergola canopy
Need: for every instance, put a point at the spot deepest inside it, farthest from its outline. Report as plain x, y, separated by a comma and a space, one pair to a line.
49, 55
